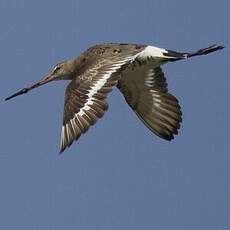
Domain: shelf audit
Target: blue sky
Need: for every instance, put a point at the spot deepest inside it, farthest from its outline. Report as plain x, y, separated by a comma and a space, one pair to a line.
118, 175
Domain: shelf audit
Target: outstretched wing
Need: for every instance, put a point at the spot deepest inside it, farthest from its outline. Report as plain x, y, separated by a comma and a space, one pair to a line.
85, 98
145, 89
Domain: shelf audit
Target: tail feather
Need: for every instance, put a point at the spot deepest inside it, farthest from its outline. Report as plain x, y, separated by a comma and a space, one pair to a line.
175, 56
204, 51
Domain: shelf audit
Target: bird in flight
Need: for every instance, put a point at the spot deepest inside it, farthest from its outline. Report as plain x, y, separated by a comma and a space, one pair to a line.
135, 70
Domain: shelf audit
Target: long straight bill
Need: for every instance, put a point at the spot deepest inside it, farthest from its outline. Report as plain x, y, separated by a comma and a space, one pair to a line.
26, 90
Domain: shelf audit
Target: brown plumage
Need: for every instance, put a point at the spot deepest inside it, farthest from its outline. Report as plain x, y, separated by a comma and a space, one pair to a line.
135, 70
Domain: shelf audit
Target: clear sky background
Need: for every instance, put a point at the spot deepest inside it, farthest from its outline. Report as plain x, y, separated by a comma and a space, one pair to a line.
118, 175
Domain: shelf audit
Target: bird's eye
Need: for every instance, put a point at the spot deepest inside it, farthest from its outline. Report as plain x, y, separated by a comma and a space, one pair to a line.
56, 68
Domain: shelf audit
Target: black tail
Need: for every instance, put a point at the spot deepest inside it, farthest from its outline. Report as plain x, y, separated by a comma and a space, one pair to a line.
175, 56
204, 51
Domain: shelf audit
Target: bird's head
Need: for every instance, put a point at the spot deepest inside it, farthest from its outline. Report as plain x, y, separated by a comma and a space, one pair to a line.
62, 71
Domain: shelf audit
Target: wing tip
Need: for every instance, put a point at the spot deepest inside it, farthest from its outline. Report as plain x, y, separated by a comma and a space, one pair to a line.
63, 143
62, 147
